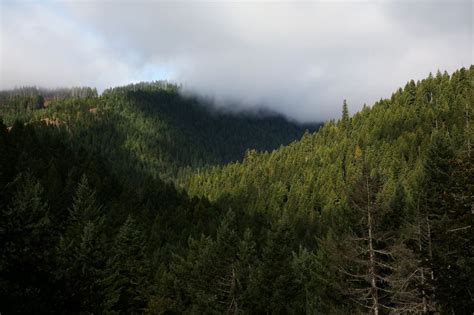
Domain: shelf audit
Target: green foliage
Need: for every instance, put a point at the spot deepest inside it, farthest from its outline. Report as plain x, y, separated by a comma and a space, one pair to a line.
68, 240
411, 142
372, 212
449, 206
276, 280
25, 243
80, 254
151, 127
128, 285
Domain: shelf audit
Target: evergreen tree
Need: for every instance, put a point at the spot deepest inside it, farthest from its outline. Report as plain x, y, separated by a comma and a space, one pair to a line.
128, 283
369, 214
345, 120
245, 270
449, 206
82, 254
25, 240
276, 280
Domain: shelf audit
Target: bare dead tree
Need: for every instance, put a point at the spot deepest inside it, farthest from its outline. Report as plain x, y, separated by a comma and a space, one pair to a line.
411, 279
366, 253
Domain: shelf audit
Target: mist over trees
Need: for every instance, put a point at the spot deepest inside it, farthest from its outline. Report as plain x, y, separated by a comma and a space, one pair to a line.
141, 200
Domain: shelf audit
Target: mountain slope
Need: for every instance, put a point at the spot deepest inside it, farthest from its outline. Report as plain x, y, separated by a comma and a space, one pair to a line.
70, 223
381, 203
313, 174
153, 127
373, 213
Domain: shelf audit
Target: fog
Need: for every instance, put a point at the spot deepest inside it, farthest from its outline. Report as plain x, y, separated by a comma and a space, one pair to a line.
298, 58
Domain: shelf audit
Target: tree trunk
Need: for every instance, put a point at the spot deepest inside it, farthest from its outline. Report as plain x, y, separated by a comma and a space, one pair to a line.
430, 250
422, 271
373, 279
468, 131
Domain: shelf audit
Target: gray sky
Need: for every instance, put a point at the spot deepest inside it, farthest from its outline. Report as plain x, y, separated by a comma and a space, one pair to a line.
298, 58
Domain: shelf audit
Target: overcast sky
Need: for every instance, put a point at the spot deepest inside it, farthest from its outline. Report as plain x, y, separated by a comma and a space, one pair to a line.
298, 58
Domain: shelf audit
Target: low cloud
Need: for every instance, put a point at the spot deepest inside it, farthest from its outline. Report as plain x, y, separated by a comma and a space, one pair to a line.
298, 58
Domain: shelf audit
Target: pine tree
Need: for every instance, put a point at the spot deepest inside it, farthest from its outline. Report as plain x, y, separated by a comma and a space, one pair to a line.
225, 269
437, 178
449, 211
345, 120
305, 267
246, 261
276, 278
191, 280
128, 270
82, 255
208, 274
25, 242
332, 264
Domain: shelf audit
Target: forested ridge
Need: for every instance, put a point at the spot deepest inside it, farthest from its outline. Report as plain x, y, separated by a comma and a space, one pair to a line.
382, 202
150, 126
372, 213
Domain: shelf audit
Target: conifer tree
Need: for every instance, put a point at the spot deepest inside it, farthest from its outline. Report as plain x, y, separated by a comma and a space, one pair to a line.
276, 279
345, 120
25, 241
128, 270
81, 254
449, 205
245, 269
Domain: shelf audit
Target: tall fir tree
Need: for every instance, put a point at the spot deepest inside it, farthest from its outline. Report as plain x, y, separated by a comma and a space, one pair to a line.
82, 255
449, 205
345, 119
26, 257
128, 271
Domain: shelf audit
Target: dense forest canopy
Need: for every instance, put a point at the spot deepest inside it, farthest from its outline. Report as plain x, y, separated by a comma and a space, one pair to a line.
150, 125
372, 213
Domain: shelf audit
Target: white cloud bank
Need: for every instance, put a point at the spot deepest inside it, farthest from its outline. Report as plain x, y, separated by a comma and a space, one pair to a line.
299, 58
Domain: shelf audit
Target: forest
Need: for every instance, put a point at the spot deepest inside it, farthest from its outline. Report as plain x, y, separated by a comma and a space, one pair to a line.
144, 200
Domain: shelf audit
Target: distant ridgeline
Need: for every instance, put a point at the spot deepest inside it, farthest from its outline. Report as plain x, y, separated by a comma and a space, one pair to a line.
150, 126
19, 103
56, 93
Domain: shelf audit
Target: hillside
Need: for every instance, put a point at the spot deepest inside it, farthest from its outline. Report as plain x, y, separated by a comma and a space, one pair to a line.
392, 137
73, 231
412, 151
372, 213
151, 126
